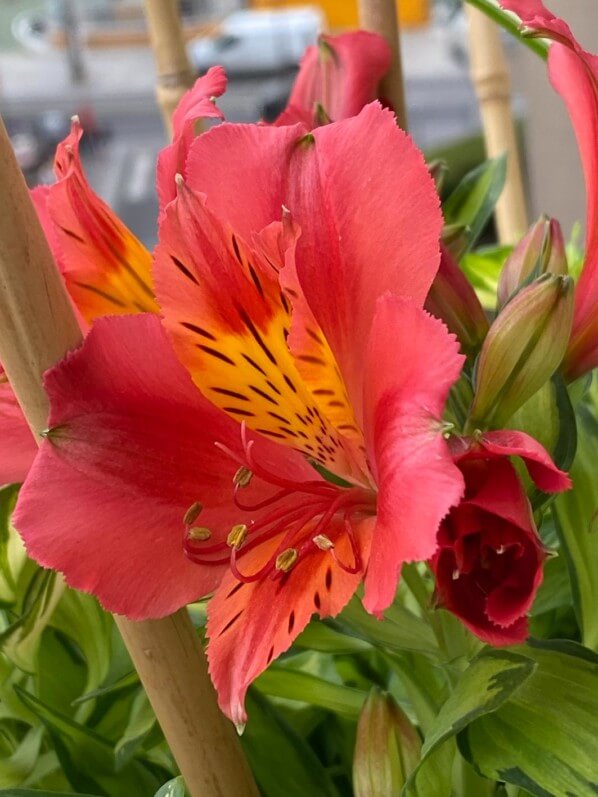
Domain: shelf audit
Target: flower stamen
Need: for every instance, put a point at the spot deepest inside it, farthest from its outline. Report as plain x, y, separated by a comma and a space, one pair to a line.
286, 560
237, 536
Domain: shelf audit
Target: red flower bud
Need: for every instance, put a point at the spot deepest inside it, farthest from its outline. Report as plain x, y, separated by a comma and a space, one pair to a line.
488, 565
454, 301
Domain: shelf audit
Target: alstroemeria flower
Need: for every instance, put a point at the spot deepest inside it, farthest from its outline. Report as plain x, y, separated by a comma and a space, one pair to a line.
106, 269
574, 74
489, 561
338, 76
301, 348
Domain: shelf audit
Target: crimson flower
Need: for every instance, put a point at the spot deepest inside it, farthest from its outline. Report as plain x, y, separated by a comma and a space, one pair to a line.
574, 74
488, 564
290, 350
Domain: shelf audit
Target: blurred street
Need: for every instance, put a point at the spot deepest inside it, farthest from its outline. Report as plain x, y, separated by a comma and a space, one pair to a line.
117, 95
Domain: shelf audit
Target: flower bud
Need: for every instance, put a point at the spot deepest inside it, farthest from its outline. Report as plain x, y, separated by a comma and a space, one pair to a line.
540, 251
524, 347
387, 747
454, 301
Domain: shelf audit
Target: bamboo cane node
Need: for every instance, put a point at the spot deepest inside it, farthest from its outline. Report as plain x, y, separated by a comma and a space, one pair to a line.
493, 87
176, 79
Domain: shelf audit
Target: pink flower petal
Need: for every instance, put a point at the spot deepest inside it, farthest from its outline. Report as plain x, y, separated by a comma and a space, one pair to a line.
365, 203
17, 446
411, 364
132, 447
511, 443
243, 170
341, 73
250, 624
370, 223
197, 103
574, 74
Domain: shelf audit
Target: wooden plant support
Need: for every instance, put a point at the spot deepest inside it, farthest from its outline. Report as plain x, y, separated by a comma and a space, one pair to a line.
37, 328
174, 71
490, 76
380, 16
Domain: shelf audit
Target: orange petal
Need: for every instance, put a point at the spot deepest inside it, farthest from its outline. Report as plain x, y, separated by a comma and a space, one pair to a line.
106, 268
250, 624
229, 320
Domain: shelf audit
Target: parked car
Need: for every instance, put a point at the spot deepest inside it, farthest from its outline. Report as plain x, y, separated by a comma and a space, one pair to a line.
258, 42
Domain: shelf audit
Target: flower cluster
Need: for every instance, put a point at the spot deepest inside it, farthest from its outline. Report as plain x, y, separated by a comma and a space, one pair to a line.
258, 411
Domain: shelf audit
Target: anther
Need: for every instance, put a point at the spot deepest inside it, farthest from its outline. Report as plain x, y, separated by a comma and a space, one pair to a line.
323, 542
199, 534
237, 536
500, 550
242, 477
456, 574
286, 560
192, 513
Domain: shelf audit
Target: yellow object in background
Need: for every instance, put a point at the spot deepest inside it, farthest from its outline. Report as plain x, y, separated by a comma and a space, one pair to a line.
343, 13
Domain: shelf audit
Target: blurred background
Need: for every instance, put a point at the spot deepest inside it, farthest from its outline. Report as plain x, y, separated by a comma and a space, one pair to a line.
92, 57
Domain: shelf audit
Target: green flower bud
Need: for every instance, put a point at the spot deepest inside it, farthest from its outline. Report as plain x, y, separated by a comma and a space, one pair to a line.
540, 251
524, 347
387, 747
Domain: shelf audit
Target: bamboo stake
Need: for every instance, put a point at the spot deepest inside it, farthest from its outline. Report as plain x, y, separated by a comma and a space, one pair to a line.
490, 75
174, 72
37, 328
380, 16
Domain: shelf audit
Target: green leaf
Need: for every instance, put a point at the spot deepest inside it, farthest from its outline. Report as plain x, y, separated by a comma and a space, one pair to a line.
491, 678
543, 737
307, 688
555, 590
283, 763
472, 202
20, 764
125, 682
174, 788
80, 618
482, 268
8, 543
40, 595
576, 519
321, 637
401, 630
141, 721
87, 758
549, 417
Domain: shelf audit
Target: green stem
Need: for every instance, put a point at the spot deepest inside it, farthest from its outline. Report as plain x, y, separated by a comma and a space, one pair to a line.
418, 588
511, 25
